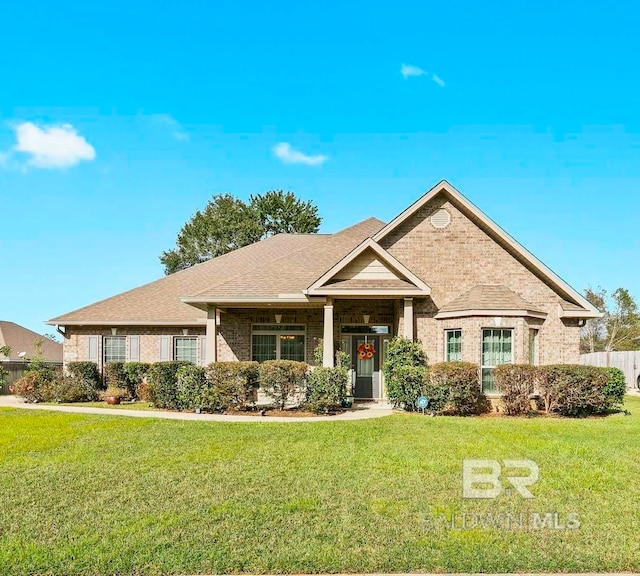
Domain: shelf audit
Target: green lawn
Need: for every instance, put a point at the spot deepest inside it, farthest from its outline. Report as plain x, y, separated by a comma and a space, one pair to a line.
84, 494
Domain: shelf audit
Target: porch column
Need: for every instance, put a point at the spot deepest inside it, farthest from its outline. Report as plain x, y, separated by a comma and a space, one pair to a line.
212, 335
327, 339
408, 318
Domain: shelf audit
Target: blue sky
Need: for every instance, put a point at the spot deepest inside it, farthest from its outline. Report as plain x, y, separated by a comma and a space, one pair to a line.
118, 120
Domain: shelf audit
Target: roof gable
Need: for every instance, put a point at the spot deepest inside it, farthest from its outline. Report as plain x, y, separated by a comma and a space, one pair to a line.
369, 270
564, 290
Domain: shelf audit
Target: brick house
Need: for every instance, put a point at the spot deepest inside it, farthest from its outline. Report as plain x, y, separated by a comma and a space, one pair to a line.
441, 272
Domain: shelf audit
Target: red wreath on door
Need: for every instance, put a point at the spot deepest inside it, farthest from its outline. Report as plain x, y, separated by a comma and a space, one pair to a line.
366, 351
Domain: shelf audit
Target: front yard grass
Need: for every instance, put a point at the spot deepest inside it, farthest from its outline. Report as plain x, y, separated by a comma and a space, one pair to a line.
110, 495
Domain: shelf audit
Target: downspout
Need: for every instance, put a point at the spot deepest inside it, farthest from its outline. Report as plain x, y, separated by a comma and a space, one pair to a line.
64, 334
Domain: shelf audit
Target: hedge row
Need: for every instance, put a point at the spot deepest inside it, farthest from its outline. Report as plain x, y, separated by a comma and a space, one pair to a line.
565, 389
454, 388
233, 385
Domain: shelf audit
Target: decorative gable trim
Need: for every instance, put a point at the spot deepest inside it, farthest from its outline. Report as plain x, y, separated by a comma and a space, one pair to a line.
320, 287
546, 273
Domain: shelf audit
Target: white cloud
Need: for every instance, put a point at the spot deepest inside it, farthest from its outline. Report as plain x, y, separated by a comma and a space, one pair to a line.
407, 70
439, 81
52, 146
177, 131
288, 155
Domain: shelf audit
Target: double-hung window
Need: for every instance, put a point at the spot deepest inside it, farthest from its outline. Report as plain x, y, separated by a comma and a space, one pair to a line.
278, 342
114, 349
185, 349
453, 345
497, 348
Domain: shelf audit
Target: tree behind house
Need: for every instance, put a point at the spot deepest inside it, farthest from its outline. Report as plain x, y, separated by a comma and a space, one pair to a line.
619, 326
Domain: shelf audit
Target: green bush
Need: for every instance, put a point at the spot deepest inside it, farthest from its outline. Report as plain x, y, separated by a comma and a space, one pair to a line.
135, 373
3, 377
230, 385
573, 389
615, 388
283, 380
114, 375
191, 384
87, 371
516, 383
405, 369
454, 388
162, 378
326, 388
75, 389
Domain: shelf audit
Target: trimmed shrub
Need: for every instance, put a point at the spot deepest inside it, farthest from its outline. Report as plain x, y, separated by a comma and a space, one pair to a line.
454, 388
573, 389
162, 377
135, 373
615, 388
405, 370
75, 389
283, 380
516, 383
326, 388
36, 386
230, 385
114, 375
191, 383
87, 371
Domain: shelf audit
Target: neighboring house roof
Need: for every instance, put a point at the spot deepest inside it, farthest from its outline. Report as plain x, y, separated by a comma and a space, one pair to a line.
21, 339
489, 300
586, 309
282, 264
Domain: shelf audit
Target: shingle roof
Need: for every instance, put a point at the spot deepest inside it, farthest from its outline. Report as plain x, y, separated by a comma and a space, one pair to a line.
570, 306
489, 297
285, 263
21, 339
294, 272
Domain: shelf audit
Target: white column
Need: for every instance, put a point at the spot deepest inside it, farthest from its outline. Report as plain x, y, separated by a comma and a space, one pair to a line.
212, 334
327, 340
408, 318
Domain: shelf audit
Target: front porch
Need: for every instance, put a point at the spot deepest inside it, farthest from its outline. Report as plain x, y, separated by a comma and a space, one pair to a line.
360, 327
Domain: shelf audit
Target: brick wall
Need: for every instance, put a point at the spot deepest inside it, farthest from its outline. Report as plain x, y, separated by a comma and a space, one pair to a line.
462, 255
76, 343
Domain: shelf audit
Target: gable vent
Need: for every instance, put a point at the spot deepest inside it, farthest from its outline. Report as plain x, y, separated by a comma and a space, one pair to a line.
440, 218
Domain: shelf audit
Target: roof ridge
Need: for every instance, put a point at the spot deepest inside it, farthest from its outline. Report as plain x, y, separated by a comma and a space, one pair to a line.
271, 263
265, 264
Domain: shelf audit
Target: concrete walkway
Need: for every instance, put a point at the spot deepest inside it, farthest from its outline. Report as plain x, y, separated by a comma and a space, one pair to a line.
361, 412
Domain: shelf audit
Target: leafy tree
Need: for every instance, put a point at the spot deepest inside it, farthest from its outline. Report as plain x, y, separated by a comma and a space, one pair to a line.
278, 212
619, 325
228, 223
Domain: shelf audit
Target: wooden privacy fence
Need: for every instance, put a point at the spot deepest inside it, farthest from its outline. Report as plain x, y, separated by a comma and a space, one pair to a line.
16, 370
628, 362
